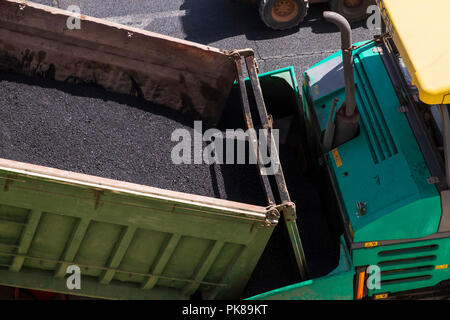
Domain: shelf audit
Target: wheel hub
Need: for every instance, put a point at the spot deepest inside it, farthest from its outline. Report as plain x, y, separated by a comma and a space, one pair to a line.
284, 10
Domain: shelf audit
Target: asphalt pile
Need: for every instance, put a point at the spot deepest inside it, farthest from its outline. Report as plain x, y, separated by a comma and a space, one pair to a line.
85, 129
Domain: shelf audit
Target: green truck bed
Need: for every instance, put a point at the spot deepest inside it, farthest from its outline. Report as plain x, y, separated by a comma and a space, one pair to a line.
130, 241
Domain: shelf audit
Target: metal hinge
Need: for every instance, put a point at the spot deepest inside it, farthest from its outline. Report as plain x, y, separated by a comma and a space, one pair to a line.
272, 216
288, 210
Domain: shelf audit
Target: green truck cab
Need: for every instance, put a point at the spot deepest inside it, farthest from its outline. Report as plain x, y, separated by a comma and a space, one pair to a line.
391, 176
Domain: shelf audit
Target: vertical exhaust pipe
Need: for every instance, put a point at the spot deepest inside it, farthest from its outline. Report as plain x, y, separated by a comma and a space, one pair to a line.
347, 116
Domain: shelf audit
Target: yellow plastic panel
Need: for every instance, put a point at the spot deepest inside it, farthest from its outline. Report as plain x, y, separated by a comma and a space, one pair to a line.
421, 31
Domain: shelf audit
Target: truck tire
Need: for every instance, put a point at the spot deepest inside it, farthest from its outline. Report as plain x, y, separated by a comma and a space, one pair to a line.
352, 10
282, 14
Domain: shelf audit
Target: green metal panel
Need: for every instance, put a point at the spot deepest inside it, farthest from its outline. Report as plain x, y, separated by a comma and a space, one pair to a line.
337, 285
384, 168
381, 167
127, 246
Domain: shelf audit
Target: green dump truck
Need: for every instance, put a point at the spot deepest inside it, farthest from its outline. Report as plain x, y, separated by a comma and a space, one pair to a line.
358, 210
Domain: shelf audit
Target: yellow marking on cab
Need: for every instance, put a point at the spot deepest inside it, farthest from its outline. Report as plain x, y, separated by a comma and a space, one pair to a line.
371, 244
442, 266
381, 296
337, 157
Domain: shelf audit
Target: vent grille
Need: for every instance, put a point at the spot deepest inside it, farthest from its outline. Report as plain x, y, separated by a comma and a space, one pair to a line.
379, 137
407, 270
396, 252
402, 265
406, 261
403, 280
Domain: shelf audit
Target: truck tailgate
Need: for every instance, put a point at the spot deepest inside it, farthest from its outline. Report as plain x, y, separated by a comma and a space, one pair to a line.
130, 241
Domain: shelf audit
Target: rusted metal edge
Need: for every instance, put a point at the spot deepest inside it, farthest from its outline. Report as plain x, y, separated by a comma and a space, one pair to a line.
192, 78
249, 123
237, 209
287, 208
24, 4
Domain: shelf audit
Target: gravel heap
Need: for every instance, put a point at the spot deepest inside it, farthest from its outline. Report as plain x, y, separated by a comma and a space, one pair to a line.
85, 129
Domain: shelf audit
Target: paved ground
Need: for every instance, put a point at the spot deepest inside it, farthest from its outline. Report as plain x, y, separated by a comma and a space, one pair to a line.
226, 25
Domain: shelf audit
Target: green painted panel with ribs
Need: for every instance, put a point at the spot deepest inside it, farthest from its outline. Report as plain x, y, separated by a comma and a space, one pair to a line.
128, 244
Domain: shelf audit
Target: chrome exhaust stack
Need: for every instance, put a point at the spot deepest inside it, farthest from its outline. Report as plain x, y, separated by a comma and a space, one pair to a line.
347, 116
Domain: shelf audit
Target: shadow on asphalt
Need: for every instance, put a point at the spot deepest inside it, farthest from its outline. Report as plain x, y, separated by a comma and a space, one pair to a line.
208, 21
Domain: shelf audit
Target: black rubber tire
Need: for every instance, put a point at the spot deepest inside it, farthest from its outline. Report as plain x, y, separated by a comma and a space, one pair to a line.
351, 14
265, 12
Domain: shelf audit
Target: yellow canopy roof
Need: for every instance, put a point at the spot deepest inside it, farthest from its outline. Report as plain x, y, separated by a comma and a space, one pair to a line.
421, 31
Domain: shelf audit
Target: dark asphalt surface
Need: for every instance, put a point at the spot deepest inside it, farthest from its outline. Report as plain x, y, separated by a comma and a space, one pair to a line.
88, 130
226, 25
